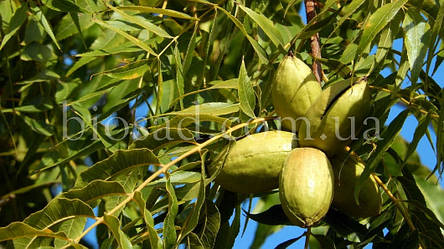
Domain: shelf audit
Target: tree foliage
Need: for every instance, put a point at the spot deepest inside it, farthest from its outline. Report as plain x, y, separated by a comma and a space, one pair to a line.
76, 75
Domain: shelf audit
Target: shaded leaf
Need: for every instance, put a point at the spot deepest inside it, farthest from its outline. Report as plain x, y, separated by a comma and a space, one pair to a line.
39, 126
95, 190
167, 12
388, 135
403, 68
16, 22
377, 22
189, 53
169, 229
114, 225
17, 230
180, 78
287, 243
272, 216
345, 225
155, 240
119, 163
265, 24
129, 37
247, 97
42, 76
72, 228
124, 48
67, 27
164, 137
405, 239
29, 108
227, 233
429, 231
37, 52
48, 28
433, 194
58, 210
321, 242
142, 22
34, 32
78, 64
62, 5
416, 37
264, 231
85, 150
193, 218
259, 50
210, 224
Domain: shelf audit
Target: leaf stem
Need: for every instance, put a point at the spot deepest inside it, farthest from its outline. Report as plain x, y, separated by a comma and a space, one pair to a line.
307, 237
165, 167
396, 201
405, 101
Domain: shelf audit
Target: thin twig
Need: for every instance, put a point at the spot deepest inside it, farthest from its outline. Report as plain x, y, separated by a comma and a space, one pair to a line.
310, 10
395, 200
164, 5
164, 169
405, 101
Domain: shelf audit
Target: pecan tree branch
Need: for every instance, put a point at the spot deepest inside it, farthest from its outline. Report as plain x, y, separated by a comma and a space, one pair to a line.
310, 10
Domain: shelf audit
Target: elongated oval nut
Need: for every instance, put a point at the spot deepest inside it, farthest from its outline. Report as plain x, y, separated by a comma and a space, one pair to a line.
346, 178
306, 186
336, 117
294, 90
253, 163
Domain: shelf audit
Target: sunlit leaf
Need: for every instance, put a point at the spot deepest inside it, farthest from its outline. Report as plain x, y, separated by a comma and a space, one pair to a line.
216, 108
167, 12
416, 36
130, 71
16, 22
377, 22
265, 24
